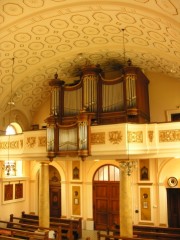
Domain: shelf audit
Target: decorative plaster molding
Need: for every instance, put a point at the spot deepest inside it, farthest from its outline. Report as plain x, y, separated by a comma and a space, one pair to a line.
169, 135
98, 138
12, 144
115, 137
135, 137
31, 142
150, 135
42, 141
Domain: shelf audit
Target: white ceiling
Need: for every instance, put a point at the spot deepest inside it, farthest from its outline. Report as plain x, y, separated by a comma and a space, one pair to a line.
39, 38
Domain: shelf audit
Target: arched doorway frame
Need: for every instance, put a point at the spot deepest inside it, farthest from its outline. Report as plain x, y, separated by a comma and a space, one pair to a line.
34, 187
88, 190
169, 167
106, 194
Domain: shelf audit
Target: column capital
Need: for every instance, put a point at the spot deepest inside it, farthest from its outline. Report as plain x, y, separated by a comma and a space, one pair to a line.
127, 166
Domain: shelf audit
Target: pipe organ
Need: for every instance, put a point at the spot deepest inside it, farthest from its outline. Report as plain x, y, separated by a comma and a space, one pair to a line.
91, 100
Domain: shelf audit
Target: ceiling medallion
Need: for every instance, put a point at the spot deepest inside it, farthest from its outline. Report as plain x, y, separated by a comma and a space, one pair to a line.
172, 181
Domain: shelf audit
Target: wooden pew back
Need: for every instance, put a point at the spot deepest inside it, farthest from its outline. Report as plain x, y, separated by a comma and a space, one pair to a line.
150, 232
61, 229
76, 223
10, 232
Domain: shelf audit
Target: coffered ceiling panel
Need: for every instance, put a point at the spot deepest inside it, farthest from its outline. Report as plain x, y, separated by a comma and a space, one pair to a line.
39, 38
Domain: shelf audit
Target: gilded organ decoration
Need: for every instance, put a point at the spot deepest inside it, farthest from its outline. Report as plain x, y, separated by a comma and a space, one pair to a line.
169, 135
98, 138
115, 137
31, 142
41, 141
10, 145
150, 135
135, 137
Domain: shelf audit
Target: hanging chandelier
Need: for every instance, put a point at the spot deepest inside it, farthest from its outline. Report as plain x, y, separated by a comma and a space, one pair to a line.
9, 166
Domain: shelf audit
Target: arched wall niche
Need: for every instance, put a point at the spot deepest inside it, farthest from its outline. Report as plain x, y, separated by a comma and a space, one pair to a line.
60, 169
57, 165
16, 117
169, 168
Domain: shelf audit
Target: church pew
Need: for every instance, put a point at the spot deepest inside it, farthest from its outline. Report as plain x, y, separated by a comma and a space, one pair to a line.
76, 222
156, 235
154, 229
147, 234
62, 230
139, 235
10, 232
108, 236
4, 237
56, 231
32, 228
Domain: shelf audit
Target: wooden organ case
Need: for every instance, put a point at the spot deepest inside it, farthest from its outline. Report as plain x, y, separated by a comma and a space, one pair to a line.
93, 100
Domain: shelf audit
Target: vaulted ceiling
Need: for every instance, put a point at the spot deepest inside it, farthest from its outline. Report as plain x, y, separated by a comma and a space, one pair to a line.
39, 38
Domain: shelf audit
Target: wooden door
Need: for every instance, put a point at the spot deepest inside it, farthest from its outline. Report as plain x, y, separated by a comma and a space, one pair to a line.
173, 202
55, 201
105, 204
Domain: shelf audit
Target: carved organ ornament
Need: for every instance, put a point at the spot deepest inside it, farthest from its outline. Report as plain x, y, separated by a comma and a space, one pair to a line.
93, 100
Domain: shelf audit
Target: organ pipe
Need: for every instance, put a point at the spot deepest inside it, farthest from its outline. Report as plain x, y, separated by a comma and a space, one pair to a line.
93, 100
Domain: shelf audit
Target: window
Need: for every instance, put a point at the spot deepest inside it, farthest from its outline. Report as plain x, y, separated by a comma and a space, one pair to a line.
13, 128
10, 130
107, 173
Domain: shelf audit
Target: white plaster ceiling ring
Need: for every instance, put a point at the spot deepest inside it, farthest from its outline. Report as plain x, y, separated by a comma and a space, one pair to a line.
102, 17
59, 24
150, 23
91, 30
27, 87
126, 18
81, 43
39, 78
27, 101
80, 19
48, 53
63, 47
7, 79
12, 9
36, 104
33, 60
22, 37
40, 30
20, 69
34, 4
22, 53
36, 46
7, 46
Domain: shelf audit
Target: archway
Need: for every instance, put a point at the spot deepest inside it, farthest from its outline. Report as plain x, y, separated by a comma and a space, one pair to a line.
106, 197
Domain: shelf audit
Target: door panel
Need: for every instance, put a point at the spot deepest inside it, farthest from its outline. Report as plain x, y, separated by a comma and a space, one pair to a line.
55, 201
106, 204
173, 201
